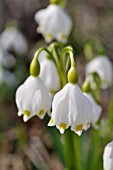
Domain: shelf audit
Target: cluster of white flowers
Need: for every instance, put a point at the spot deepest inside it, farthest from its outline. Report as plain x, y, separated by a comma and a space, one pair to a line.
71, 106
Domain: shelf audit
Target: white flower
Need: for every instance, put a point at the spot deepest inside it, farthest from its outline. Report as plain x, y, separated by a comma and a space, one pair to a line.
7, 59
32, 98
48, 73
104, 68
71, 108
54, 23
108, 157
97, 109
11, 38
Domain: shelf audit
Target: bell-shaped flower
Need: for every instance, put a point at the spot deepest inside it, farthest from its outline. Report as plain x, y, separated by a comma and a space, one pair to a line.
48, 73
7, 59
96, 111
54, 23
108, 157
104, 68
71, 107
11, 38
33, 98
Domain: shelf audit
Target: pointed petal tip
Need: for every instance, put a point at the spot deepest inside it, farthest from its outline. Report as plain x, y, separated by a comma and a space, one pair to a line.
50, 124
19, 113
62, 131
79, 133
25, 118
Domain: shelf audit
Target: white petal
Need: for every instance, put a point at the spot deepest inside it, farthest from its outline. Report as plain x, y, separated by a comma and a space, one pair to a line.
60, 106
97, 109
108, 156
19, 97
49, 75
80, 108
25, 118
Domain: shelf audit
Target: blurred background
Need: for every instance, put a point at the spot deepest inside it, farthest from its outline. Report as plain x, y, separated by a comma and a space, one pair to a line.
31, 145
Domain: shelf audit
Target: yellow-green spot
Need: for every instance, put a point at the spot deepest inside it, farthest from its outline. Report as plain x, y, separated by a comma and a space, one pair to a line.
64, 36
63, 125
79, 127
27, 113
51, 121
41, 112
52, 91
49, 36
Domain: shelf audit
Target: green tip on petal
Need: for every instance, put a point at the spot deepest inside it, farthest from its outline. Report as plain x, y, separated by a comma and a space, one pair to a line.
72, 75
27, 113
34, 68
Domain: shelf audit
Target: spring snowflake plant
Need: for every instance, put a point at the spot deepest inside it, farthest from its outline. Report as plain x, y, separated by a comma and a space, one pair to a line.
70, 106
66, 105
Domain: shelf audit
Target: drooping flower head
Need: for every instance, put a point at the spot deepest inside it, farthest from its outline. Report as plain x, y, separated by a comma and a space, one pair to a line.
54, 23
12, 39
70, 107
104, 68
32, 97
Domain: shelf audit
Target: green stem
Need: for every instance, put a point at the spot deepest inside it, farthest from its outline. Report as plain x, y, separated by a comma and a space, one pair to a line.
69, 151
43, 49
69, 50
59, 66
